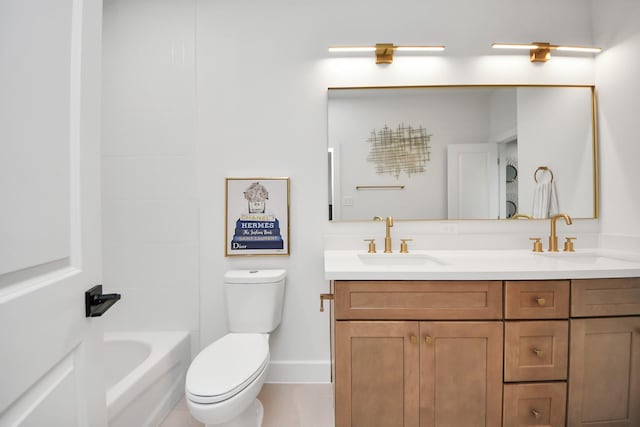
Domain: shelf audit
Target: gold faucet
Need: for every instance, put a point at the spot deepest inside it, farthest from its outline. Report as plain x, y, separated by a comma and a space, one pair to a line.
553, 238
387, 237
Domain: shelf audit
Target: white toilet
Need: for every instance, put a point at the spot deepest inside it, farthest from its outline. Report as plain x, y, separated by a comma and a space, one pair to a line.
225, 378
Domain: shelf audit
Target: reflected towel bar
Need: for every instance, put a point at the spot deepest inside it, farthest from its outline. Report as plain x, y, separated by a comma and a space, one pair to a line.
379, 187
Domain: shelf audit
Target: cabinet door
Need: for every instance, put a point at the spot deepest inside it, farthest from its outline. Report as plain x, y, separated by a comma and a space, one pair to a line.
460, 374
604, 372
377, 374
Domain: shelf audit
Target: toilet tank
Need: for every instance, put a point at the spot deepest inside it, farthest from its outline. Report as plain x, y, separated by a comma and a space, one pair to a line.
254, 299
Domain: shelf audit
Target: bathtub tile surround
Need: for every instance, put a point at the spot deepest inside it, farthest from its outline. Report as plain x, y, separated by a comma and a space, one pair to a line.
151, 240
285, 405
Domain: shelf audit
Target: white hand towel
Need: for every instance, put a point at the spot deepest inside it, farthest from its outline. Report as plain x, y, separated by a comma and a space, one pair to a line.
541, 200
545, 197
554, 206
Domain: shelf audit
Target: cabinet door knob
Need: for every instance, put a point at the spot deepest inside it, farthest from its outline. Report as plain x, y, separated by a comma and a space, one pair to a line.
541, 301
414, 339
538, 352
428, 339
535, 413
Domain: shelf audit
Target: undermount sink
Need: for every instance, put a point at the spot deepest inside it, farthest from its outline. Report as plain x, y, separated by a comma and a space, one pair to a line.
398, 259
587, 258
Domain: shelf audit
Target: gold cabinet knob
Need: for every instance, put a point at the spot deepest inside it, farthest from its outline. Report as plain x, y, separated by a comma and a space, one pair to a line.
372, 245
541, 301
535, 413
428, 339
414, 339
538, 352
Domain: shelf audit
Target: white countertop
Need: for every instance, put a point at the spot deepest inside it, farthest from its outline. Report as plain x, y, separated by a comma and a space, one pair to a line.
480, 265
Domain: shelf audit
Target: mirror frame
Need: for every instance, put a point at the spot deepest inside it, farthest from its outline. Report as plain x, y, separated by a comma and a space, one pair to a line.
594, 138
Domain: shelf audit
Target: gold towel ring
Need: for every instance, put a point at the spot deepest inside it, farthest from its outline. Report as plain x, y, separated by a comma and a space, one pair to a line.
542, 168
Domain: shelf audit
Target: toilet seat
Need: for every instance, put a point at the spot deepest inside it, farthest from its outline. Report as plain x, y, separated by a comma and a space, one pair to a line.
226, 367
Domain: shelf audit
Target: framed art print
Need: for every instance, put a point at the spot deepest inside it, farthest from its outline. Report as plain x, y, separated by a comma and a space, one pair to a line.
256, 216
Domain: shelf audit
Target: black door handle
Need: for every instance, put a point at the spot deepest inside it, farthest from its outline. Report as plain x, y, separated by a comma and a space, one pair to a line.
96, 303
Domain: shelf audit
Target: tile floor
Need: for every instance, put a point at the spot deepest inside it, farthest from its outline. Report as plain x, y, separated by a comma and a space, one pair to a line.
285, 405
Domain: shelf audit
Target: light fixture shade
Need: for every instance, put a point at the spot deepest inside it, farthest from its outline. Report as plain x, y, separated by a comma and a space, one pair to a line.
579, 49
349, 49
419, 48
384, 51
541, 51
523, 46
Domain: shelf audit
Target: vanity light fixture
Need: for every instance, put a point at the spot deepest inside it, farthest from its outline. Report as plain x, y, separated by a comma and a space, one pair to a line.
541, 51
384, 51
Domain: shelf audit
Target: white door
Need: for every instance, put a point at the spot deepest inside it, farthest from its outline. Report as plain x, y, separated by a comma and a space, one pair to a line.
50, 370
472, 181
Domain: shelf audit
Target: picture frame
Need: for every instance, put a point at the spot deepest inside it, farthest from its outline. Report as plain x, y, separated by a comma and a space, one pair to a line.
257, 216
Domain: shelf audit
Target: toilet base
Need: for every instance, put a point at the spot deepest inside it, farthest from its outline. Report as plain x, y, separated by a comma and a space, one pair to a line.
251, 417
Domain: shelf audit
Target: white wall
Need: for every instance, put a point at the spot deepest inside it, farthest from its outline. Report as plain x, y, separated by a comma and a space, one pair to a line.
262, 72
616, 27
150, 198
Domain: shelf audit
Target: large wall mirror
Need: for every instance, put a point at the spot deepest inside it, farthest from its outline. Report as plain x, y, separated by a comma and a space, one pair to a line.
462, 152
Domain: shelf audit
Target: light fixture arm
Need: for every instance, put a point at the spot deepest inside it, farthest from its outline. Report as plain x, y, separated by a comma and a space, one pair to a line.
384, 53
542, 53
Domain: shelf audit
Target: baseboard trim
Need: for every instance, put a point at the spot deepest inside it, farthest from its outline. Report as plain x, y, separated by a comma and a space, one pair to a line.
299, 371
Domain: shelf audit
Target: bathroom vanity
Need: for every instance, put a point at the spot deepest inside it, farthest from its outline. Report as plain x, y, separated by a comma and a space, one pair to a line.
485, 338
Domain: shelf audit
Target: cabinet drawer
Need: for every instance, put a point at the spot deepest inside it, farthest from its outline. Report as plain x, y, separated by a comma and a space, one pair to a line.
605, 297
537, 299
536, 351
416, 300
541, 405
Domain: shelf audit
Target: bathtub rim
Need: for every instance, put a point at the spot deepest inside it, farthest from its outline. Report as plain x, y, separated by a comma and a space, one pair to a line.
118, 397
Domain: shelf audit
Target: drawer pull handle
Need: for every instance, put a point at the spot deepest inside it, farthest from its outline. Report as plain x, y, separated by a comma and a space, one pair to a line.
413, 339
538, 352
535, 413
428, 339
541, 301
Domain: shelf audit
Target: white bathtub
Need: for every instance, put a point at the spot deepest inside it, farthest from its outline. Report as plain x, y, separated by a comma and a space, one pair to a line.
144, 375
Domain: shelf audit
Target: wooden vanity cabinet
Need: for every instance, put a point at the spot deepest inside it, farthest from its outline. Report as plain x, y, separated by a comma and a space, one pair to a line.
604, 374
424, 370
433, 353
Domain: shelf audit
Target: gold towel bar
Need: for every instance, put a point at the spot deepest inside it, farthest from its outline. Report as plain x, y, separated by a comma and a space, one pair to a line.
377, 187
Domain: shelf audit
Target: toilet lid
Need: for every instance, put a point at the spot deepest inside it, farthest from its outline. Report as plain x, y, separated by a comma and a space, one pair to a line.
226, 367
